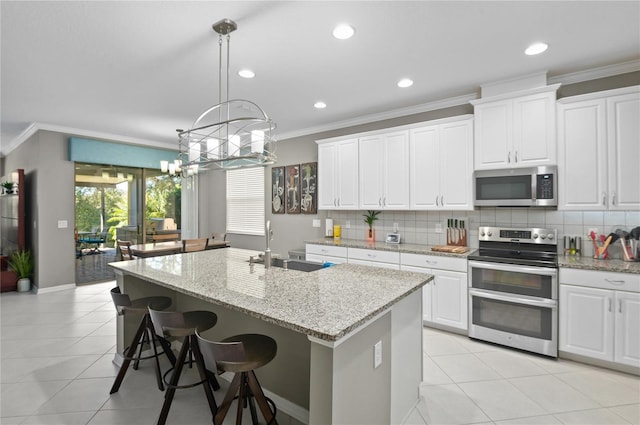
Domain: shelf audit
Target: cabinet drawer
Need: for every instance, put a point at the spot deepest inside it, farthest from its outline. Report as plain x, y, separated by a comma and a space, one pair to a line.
374, 255
603, 280
392, 266
434, 262
324, 250
325, 259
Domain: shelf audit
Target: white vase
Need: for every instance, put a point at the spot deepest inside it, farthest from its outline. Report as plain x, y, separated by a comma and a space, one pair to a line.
24, 284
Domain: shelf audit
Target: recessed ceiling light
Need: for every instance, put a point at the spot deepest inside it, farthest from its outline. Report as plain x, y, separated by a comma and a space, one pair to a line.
343, 31
405, 82
246, 73
536, 49
319, 105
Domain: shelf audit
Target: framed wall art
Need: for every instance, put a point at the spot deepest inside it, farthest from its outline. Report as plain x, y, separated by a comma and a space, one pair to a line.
292, 188
277, 190
309, 188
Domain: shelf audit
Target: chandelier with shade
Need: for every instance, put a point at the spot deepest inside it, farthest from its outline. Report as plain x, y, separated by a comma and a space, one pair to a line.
233, 133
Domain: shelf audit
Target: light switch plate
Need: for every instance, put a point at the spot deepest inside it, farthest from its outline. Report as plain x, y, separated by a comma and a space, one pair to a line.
63, 224
316, 222
438, 228
377, 354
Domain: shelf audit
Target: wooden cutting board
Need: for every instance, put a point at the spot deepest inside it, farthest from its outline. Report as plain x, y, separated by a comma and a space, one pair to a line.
450, 248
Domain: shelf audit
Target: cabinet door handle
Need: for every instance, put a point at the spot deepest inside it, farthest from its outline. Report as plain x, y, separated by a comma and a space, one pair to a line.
509, 158
615, 282
371, 255
334, 202
430, 262
442, 200
619, 306
437, 205
338, 201
604, 198
379, 202
609, 303
516, 156
613, 198
384, 202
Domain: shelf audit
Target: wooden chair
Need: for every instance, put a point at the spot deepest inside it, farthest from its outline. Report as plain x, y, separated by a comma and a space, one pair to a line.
166, 237
124, 248
192, 245
219, 237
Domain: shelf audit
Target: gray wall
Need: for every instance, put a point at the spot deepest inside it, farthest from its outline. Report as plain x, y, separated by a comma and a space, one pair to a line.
49, 179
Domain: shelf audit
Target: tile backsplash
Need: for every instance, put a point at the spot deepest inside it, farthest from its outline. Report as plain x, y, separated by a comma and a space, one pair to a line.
419, 227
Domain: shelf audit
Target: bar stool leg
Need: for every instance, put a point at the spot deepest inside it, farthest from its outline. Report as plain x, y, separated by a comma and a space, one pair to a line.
228, 398
203, 374
155, 354
256, 390
128, 356
171, 388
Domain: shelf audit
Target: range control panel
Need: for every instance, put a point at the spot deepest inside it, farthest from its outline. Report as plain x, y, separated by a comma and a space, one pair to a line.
532, 235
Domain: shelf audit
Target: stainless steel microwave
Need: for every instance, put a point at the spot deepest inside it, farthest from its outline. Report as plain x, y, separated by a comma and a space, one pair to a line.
517, 187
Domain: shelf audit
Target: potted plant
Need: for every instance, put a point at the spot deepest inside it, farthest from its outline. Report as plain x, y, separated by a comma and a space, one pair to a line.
21, 262
370, 217
8, 187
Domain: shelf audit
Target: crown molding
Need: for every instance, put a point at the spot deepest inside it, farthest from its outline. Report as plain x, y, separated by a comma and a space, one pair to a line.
35, 127
396, 113
595, 73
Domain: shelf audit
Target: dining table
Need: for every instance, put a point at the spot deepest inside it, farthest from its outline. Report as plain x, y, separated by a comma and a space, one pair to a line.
154, 249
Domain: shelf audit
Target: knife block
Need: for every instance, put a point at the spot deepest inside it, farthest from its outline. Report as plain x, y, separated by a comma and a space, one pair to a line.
456, 237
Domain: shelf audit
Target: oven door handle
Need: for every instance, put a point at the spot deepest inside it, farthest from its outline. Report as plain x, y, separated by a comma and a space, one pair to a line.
540, 302
542, 271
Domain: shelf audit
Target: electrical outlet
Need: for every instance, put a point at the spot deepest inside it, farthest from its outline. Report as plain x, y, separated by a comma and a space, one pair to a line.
377, 354
316, 222
347, 225
438, 228
395, 227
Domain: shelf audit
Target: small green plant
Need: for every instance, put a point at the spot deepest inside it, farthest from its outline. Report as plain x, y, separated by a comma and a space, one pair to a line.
21, 262
370, 217
8, 186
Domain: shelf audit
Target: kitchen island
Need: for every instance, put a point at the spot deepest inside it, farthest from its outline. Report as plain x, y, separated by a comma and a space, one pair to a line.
327, 324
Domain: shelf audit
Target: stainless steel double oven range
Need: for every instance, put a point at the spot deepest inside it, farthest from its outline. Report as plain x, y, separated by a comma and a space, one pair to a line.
513, 289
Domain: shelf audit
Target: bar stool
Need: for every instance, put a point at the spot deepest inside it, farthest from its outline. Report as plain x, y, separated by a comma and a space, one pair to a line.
242, 354
144, 335
178, 324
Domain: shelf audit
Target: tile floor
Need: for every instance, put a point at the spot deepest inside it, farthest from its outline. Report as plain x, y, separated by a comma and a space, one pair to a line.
55, 368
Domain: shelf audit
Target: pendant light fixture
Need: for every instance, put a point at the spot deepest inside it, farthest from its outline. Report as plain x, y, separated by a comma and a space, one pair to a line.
233, 133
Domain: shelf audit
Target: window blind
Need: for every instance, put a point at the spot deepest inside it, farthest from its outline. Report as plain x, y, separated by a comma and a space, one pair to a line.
245, 201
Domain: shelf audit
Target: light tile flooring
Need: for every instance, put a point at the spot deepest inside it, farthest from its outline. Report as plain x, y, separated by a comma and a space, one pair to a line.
55, 368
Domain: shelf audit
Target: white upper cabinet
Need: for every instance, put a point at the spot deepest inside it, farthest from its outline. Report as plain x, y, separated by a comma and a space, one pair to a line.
598, 151
338, 175
513, 132
384, 165
440, 168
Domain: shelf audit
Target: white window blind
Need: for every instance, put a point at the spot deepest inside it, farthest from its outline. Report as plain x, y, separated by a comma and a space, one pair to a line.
245, 201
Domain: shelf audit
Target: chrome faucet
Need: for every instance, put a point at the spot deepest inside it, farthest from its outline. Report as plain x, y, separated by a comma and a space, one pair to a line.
267, 251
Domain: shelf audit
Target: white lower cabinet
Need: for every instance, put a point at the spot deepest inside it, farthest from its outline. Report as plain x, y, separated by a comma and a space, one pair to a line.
375, 258
326, 254
445, 298
600, 315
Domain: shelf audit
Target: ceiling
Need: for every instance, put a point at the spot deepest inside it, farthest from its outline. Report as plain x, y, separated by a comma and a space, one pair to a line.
140, 70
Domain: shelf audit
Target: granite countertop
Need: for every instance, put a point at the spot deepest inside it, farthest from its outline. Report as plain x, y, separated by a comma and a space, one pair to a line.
326, 304
381, 246
588, 263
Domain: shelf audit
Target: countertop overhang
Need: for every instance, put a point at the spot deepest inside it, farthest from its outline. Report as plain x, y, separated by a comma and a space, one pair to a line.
326, 304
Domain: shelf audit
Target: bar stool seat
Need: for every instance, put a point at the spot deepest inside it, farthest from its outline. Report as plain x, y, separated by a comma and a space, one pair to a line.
241, 355
178, 324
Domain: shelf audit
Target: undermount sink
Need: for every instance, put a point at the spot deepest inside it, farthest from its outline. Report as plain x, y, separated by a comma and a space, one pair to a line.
303, 266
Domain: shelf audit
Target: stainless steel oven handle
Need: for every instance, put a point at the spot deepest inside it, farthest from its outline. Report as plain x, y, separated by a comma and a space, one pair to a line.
509, 298
544, 271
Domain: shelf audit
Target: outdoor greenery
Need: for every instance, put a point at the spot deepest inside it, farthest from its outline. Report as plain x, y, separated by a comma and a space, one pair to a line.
162, 200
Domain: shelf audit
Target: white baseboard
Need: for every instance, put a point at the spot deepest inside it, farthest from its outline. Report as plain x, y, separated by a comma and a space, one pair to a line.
53, 288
